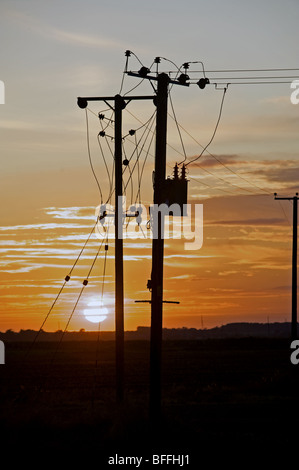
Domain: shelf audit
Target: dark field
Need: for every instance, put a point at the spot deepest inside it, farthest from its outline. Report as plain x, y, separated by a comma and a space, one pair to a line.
220, 398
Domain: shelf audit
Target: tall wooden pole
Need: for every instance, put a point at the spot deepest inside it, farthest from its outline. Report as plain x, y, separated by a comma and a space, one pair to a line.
294, 261
119, 282
158, 251
294, 269
119, 105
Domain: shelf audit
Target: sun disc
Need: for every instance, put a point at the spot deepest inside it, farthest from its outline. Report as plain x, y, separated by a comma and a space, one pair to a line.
96, 315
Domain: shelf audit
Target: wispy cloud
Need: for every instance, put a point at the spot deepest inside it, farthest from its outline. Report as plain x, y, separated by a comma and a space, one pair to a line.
255, 222
75, 39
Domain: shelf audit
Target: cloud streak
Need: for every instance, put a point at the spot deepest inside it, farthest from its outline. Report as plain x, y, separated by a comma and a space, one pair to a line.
67, 37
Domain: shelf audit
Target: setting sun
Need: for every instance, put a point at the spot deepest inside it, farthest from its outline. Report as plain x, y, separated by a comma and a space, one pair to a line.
96, 312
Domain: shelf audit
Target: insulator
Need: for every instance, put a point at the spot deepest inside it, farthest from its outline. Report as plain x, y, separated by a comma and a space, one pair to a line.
102, 133
183, 78
157, 60
106, 247
143, 72
132, 132
138, 215
203, 82
186, 65
101, 116
102, 216
128, 53
85, 282
176, 172
126, 162
67, 278
82, 103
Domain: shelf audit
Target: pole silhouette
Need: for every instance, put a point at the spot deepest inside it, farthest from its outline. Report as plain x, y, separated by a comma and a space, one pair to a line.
158, 251
119, 275
294, 261
119, 106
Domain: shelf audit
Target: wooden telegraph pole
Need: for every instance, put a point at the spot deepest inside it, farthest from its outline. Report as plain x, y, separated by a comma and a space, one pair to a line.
294, 261
158, 250
119, 106
156, 282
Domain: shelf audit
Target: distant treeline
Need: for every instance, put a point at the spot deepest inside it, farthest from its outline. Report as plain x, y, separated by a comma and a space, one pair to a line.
231, 330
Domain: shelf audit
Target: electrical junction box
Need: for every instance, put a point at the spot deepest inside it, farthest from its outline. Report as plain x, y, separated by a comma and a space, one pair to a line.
175, 190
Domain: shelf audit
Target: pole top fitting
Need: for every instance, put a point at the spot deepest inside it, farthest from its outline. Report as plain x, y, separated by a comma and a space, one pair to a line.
121, 101
82, 103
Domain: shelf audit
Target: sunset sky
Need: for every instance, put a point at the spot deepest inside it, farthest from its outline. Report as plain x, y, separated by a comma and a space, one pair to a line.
53, 52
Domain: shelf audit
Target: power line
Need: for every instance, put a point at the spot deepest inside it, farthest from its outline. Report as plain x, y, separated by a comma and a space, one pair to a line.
222, 164
85, 283
89, 156
149, 130
256, 78
247, 70
178, 128
105, 163
251, 83
67, 278
204, 169
211, 187
215, 130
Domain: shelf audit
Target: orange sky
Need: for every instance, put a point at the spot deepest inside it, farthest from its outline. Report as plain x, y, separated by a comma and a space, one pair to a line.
49, 195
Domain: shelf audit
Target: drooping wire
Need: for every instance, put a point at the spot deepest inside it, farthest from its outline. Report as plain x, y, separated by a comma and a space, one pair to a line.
178, 129
215, 130
105, 163
192, 178
129, 168
251, 83
285, 214
85, 283
204, 169
67, 278
123, 77
142, 169
222, 164
209, 186
198, 62
111, 178
149, 130
89, 156
102, 296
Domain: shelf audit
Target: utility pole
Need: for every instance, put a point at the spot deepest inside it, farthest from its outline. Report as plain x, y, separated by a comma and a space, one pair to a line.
119, 106
294, 261
158, 250
156, 282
